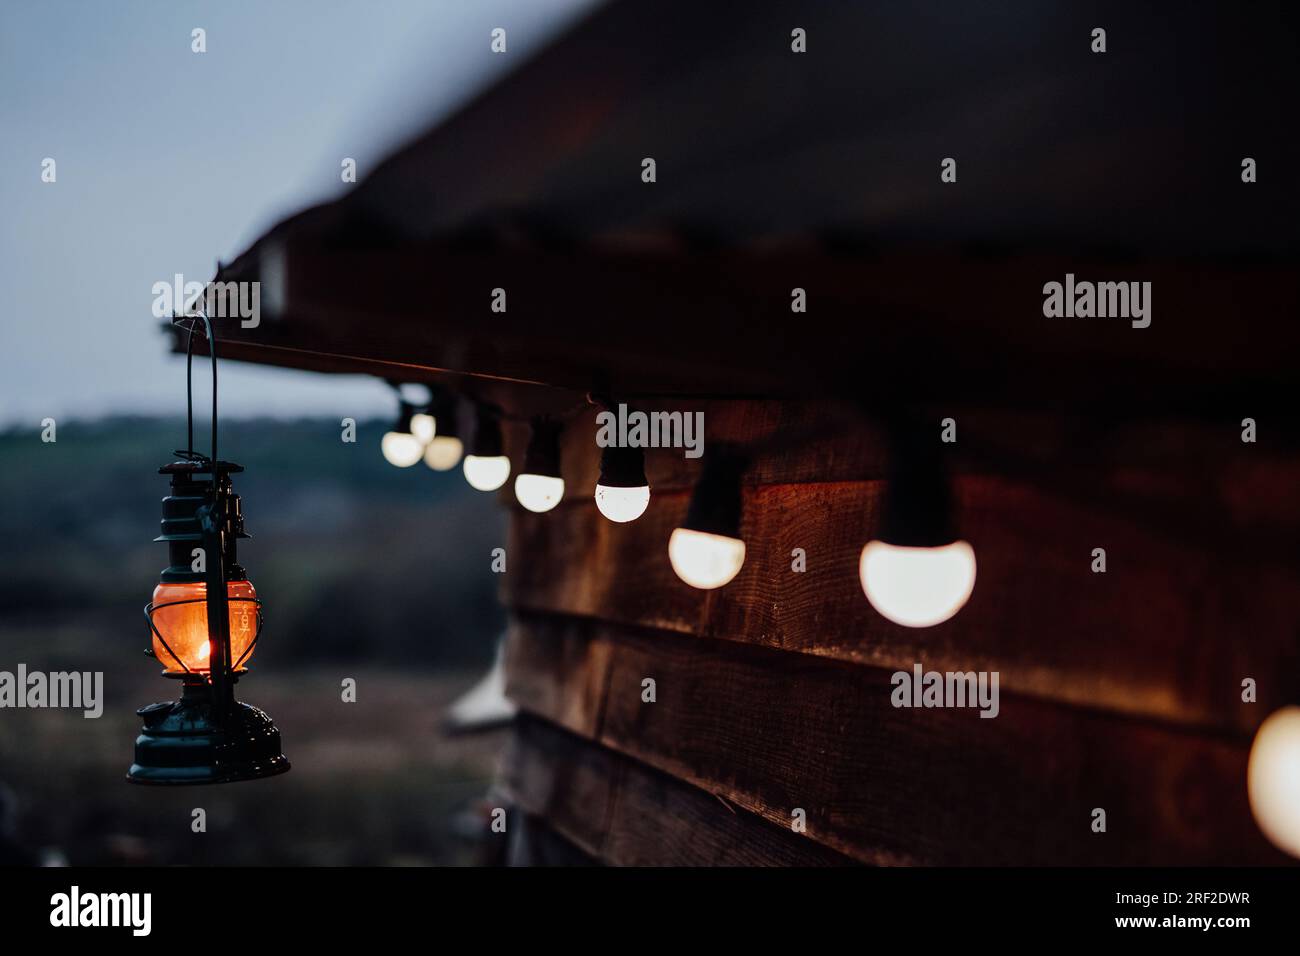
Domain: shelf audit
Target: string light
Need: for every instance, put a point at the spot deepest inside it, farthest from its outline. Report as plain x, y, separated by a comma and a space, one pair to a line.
445, 447
622, 492
399, 445
539, 487
423, 426
706, 551
443, 453
917, 587
1273, 779
917, 574
486, 466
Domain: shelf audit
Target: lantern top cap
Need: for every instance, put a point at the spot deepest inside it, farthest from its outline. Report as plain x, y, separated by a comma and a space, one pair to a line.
200, 466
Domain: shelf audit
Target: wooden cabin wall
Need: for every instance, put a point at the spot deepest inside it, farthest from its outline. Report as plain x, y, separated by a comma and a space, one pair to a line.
1119, 691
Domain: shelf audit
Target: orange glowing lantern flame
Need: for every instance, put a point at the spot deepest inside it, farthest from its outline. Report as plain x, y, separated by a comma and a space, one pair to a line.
181, 640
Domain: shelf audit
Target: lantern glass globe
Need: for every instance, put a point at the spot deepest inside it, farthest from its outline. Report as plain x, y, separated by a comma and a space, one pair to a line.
401, 449
486, 472
184, 626
705, 560
443, 453
622, 504
1273, 779
539, 493
917, 587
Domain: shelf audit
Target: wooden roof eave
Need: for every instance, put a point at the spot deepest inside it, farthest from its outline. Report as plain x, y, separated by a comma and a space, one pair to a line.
907, 328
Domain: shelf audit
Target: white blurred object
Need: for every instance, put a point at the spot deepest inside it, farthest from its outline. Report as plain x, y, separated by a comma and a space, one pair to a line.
443, 453
423, 426
401, 449
486, 473
485, 704
1273, 779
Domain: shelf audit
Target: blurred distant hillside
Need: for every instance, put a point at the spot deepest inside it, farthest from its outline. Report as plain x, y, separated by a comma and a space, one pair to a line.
356, 560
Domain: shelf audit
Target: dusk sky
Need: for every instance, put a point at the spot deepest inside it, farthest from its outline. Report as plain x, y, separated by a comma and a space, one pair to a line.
159, 172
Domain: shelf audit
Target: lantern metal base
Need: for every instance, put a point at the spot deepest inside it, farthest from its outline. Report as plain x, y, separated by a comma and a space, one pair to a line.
183, 742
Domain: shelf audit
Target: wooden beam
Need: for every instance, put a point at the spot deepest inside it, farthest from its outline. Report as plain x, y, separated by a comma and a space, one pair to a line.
891, 330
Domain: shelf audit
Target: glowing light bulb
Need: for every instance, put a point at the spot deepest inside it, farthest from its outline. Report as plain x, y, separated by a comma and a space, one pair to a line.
486, 465
443, 453
423, 426
705, 560
539, 487
539, 492
707, 550
917, 587
622, 504
1273, 779
486, 472
622, 491
401, 449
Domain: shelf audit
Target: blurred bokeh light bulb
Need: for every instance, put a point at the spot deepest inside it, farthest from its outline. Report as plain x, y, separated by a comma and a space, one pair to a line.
443, 449
401, 449
487, 472
399, 446
1273, 779
917, 587
443, 453
423, 427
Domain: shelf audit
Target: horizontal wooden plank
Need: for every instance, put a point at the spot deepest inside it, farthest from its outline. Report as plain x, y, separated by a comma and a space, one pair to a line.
770, 731
533, 842
624, 813
1169, 630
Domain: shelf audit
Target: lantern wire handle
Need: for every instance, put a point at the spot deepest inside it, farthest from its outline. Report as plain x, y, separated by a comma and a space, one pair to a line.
190, 454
